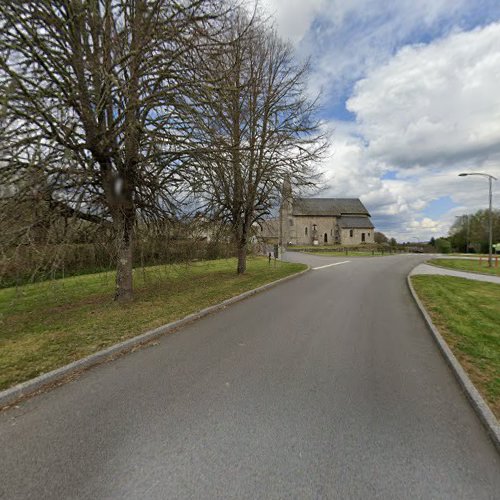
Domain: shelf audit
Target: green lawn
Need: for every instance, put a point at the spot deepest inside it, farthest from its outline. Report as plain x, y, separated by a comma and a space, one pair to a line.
457, 254
468, 265
45, 325
337, 251
467, 313
350, 254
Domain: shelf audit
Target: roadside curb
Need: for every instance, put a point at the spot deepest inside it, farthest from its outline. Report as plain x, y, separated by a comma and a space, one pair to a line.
478, 403
28, 388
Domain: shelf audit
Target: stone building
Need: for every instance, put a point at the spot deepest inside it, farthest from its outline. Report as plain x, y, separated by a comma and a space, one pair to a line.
321, 221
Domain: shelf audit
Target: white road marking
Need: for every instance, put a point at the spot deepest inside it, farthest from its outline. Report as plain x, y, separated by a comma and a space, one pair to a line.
330, 265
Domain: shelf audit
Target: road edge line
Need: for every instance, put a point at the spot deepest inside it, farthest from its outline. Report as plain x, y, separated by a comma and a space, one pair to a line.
330, 265
477, 402
10, 396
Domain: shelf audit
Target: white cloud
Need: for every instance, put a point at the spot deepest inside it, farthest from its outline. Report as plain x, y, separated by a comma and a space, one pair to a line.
435, 104
293, 18
426, 223
350, 171
353, 37
429, 113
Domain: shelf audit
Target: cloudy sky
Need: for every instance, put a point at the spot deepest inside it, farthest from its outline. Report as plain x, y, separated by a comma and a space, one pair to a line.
411, 90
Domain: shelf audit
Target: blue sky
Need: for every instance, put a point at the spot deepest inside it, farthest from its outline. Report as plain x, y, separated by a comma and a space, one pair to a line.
410, 90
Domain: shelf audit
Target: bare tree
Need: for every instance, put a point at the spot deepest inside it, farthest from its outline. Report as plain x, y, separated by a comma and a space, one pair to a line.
262, 127
92, 105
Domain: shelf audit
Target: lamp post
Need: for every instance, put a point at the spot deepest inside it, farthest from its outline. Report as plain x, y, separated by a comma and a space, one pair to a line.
490, 216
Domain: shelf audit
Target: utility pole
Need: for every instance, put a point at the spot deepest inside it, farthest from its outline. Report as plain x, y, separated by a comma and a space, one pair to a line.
490, 224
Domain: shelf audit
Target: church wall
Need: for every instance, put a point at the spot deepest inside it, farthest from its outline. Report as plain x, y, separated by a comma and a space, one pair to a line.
295, 231
296, 226
356, 238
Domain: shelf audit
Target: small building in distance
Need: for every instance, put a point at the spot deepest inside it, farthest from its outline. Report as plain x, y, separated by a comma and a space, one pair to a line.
321, 221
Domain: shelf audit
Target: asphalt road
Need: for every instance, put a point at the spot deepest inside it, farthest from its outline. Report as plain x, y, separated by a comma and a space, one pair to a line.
328, 386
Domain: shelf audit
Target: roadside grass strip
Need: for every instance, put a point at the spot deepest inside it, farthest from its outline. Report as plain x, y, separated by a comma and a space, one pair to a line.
46, 325
467, 314
326, 253
339, 251
468, 265
330, 265
473, 255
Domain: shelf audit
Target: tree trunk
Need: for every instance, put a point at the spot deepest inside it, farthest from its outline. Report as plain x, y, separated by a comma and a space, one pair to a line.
124, 286
242, 257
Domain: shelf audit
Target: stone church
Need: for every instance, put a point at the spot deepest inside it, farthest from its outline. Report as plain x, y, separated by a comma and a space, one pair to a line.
321, 221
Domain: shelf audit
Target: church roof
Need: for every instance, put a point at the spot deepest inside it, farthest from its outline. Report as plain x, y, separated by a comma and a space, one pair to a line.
349, 222
329, 206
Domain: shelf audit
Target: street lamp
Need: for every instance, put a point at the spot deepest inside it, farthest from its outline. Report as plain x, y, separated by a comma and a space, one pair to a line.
490, 245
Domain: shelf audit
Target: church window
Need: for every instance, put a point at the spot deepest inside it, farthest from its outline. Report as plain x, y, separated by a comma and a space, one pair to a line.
305, 231
351, 233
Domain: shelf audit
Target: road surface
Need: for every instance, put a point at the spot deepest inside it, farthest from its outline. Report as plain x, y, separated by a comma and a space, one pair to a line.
327, 386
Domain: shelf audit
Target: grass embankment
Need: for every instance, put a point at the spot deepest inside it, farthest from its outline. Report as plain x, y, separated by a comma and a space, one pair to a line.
350, 254
468, 265
457, 254
339, 251
467, 314
46, 325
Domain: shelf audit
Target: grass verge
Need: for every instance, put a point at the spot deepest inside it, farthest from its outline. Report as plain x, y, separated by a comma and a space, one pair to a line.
458, 254
46, 325
467, 314
350, 254
467, 265
335, 251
